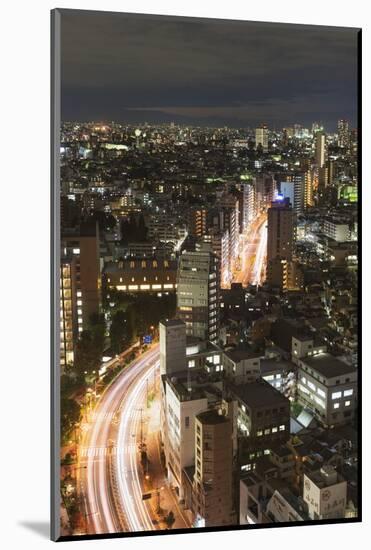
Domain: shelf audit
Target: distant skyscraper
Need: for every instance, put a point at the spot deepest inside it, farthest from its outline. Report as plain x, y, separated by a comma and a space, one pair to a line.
320, 149
343, 133
261, 137
198, 293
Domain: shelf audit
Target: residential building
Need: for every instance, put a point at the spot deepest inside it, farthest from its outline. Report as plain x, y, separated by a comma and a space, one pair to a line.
328, 388
325, 493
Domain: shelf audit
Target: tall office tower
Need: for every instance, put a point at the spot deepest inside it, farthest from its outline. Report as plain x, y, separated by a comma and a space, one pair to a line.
261, 137
84, 246
280, 231
320, 149
343, 133
331, 170
172, 346
322, 177
308, 189
197, 221
68, 311
248, 205
294, 189
213, 478
198, 293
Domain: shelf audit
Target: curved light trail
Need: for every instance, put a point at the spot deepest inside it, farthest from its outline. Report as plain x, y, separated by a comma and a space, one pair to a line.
112, 454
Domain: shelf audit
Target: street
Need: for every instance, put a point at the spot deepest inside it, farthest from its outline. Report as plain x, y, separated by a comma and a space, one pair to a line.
111, 480
109, 471
253, 254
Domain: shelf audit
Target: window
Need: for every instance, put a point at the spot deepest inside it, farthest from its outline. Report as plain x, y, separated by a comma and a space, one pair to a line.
259, 433
267, 431
191, 363
336, 405
347, 403
321, 392
187, 421
336, 395
347, 393
311, 386
282, 428
274, 430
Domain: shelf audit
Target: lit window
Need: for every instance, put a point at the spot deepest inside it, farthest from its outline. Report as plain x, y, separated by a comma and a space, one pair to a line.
274, 430
321, 392
191, 363
347, 393
336, 405
311, 386
79, 302
347, 403
243, 408
336, 395
259, 433
78, 294
282, 428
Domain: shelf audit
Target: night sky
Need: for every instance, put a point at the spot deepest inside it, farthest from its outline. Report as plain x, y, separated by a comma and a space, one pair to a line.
132, 68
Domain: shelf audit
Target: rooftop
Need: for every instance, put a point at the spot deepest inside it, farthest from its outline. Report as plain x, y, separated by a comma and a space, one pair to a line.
211, 417
259, 394
327, 365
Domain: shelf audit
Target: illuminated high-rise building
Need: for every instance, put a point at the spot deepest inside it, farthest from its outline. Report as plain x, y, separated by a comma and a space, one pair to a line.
320, 149
198, 292
294, 189
261, 137
197, 221
84, 246
343, 133
308, 189
68, 310
280, 231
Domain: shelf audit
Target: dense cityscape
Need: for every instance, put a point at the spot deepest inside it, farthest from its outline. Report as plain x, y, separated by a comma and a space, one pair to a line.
208, 325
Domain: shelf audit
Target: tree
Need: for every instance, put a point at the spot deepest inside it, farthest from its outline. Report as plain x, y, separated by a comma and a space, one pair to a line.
120, 331
70, 414
88, 354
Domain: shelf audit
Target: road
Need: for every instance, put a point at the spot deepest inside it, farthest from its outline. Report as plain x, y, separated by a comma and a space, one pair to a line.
253, 254
109, 469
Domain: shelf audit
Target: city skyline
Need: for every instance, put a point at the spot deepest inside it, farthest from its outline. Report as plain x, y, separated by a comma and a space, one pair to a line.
205, 72
208, 275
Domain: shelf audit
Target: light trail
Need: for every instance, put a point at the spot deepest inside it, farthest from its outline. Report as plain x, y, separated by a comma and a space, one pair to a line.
260, 255
126, 392
130, 488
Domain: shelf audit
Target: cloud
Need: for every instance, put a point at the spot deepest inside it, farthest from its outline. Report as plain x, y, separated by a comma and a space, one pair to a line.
163, 64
